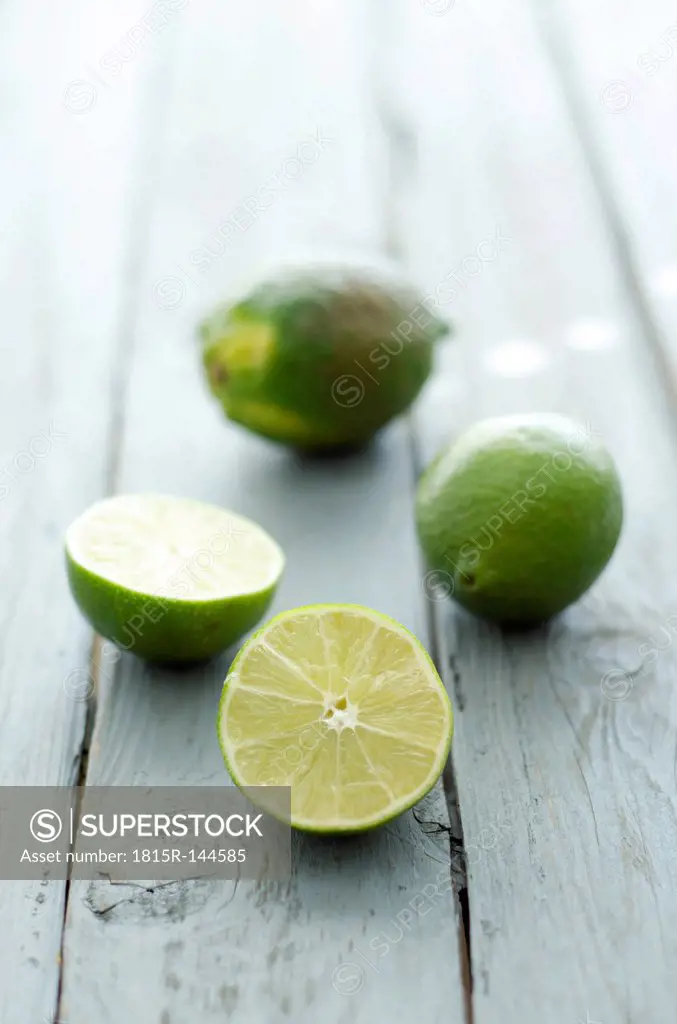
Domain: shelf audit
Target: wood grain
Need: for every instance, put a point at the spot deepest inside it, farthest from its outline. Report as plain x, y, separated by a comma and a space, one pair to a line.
567, 791
66, 189
314, 947
620, 77
520, 158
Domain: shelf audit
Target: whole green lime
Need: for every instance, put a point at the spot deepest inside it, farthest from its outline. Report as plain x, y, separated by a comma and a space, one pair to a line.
519, 516
320, 357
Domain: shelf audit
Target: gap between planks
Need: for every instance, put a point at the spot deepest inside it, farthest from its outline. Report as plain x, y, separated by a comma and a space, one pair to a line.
402, 174
149, 148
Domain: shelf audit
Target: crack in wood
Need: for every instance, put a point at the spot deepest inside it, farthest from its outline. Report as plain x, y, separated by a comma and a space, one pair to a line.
80, 763
139, 214
400, 139
456, 681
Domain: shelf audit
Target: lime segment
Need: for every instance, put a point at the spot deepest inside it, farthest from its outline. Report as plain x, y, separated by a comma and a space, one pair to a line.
342, 704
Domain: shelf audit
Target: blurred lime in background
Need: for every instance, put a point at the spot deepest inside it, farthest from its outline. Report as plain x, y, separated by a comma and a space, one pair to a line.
322, 356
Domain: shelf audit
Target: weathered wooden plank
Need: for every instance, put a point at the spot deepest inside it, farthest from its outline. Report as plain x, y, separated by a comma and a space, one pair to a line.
620, 75
329, 944
567, 791
64, 214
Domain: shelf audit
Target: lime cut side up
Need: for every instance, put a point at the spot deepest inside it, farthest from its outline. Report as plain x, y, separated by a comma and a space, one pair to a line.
343, 705
170, 579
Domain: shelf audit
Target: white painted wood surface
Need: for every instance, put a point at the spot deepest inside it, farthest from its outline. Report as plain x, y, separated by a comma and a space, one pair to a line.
480, 145
620, 76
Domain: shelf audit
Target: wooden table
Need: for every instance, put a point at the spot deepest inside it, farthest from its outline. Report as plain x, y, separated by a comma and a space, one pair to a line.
519, 159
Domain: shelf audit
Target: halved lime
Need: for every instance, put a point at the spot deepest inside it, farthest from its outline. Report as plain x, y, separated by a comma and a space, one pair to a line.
344, 705
168, 578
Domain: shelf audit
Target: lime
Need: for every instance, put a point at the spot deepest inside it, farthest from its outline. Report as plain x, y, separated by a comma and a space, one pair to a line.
320, 357
168, 578
343, 705
519, 516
